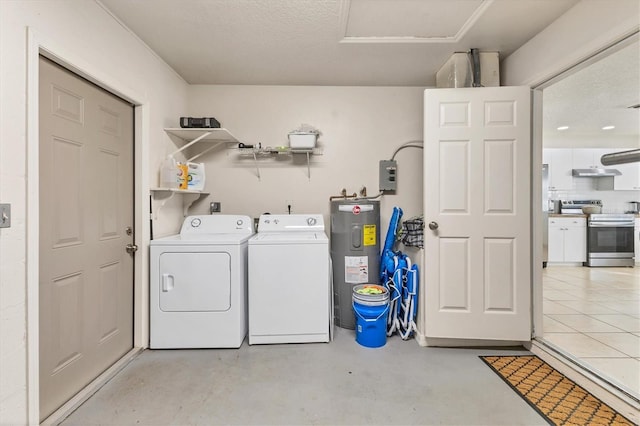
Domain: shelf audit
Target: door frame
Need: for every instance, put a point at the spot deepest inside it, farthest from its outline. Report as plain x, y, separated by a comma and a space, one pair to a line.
40, 44
584, 376
536, 158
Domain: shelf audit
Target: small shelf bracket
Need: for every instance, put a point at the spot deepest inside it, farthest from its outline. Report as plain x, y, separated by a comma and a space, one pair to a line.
194, 141
255, 161
189, 197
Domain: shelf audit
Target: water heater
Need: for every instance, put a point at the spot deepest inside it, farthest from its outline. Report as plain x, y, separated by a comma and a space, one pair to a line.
355, 252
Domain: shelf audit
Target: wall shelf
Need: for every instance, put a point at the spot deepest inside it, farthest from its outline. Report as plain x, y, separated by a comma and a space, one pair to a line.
165, 194
257, 152
208, 138
212, 138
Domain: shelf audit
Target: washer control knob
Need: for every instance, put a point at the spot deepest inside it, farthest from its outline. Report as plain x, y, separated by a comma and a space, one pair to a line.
311, 221
195, 223
239, 222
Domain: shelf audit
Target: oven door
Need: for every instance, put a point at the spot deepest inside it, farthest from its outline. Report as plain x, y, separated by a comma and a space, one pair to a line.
610, 245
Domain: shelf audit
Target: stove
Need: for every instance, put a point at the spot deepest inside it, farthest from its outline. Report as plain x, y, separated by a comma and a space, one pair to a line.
575, 206
610, 240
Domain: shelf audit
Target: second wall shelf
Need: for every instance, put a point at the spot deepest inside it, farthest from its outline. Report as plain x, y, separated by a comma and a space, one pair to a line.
257, 152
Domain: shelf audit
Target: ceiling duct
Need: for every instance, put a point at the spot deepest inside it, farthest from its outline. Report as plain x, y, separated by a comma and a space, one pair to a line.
623, 157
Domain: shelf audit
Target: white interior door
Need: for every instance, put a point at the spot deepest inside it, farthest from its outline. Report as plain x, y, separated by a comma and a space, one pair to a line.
477, 184
86, 209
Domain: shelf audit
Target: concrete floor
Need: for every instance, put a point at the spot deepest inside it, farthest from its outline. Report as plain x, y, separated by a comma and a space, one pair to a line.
336, 383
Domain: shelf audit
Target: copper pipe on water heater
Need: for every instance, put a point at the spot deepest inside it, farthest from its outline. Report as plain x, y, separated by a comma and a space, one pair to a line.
343, 195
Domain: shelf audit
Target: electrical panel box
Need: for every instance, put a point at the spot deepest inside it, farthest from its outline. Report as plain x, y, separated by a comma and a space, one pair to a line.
388, 169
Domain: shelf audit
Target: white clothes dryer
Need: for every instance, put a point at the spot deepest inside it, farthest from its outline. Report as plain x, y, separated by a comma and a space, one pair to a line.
289, 280
198, 295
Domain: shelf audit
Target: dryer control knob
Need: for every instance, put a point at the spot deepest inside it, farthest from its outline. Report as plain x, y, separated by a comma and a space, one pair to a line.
239, 222
195, 223
311, 221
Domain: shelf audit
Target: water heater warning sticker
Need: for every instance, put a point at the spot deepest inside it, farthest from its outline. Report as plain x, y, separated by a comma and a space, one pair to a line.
356, 269
369, 235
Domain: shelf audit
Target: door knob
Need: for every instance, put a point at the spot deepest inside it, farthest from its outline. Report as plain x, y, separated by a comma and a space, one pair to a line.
131, 248
433, 225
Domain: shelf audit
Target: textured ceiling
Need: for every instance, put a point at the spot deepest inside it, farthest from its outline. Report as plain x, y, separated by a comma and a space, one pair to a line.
598, 95
328, 42
373, 43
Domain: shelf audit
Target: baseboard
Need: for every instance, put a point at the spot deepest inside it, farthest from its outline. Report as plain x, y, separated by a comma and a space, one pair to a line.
463, 343
70, 406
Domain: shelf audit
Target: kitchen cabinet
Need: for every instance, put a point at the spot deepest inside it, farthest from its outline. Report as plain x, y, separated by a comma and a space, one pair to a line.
589, 158
630, 178
560, 165
567, 239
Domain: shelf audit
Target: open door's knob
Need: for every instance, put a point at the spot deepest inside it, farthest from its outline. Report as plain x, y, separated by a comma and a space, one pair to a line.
433, 225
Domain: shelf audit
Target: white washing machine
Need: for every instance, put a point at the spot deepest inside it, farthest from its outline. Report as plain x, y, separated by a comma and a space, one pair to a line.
198, 295
289, 280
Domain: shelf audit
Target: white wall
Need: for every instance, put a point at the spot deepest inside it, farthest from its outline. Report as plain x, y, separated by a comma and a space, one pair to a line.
360, 126
582, 31
89, 36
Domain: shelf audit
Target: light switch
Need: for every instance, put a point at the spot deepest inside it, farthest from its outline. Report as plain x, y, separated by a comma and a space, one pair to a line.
5, 215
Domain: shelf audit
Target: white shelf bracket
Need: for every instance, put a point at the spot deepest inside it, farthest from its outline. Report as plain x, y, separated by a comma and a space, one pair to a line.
255, 160
187, 201
163, 201
196, 140
190, 197
205, 151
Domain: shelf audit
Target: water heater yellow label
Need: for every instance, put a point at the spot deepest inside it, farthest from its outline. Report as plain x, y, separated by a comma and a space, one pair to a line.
369, 235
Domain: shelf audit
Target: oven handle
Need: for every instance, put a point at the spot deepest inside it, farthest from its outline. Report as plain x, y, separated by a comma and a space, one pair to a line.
611, 225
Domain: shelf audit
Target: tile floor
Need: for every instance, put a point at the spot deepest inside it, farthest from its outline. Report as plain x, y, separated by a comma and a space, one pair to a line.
594, 315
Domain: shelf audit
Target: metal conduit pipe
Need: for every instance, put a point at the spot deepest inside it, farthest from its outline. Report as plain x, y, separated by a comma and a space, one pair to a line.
623, 157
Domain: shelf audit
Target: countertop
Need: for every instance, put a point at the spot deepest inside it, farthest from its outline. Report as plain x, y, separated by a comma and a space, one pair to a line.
637, 215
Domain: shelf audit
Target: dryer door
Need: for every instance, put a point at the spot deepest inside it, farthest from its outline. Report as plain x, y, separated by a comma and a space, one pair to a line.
192, 282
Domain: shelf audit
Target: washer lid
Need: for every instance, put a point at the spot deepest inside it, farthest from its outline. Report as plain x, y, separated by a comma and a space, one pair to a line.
289, 238
201, 239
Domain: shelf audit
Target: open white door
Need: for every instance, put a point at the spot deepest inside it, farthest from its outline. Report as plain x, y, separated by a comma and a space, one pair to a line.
477, 148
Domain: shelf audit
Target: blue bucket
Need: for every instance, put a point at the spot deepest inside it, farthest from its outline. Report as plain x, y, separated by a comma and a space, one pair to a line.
371, 304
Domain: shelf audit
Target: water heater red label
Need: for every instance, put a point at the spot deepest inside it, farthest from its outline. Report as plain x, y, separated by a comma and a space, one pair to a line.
356, 210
